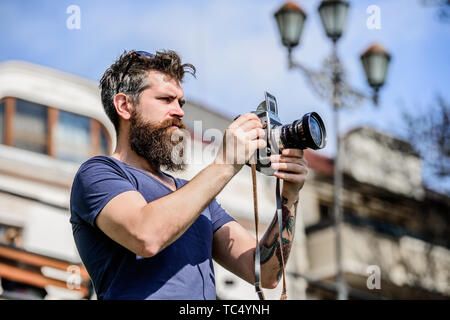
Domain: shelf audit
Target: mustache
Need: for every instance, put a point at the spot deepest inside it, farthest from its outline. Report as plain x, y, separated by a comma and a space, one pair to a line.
173, 122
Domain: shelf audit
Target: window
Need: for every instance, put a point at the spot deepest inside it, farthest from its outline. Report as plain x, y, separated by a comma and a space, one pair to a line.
51, 131
72, 139
2, 122
11, 236
326, 219
30, 126
325, 212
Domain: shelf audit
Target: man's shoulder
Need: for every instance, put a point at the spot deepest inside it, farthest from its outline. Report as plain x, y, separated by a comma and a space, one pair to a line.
97, 181
99, 162
99, 168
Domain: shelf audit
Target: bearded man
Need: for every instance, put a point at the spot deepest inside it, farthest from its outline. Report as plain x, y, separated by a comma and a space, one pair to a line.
144, 234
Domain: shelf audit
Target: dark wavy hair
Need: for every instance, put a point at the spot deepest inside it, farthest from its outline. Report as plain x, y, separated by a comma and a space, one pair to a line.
135, 79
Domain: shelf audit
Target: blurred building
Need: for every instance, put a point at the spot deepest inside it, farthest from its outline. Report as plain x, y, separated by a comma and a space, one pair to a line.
49, 122
52, 121
392, 223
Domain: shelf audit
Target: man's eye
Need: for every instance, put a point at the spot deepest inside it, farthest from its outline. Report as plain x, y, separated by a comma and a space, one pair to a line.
167, 99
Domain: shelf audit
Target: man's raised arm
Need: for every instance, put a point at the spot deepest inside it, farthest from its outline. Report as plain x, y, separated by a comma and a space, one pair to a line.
147, 228
234, 247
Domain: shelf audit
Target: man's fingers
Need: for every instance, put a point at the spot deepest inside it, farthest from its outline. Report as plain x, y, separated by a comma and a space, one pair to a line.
293, 153
242, 138
276, 158
242, 119
291, 177
257, 144
256, 133
290, 167
249, 125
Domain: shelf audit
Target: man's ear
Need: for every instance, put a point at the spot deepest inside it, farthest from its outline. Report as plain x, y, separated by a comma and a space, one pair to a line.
123, 106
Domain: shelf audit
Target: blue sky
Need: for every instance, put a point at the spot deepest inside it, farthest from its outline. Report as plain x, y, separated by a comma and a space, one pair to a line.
237, 51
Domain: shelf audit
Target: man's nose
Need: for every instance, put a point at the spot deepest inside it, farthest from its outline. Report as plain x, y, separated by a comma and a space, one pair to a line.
176, 110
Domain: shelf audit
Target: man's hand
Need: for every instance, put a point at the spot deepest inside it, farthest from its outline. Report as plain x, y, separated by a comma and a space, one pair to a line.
292, 168
234, 247
240, 141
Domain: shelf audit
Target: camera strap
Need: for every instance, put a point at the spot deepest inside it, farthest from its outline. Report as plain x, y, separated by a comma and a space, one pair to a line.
280, 230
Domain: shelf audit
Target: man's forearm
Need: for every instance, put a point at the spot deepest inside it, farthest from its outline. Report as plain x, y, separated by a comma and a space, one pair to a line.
271, 263
166, 219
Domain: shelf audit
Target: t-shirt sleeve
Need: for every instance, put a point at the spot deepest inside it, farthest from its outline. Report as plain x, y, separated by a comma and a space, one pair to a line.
218, 215
96, 183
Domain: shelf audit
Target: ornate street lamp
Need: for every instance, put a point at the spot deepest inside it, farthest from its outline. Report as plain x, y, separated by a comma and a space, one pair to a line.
333, 14
330, 84
290, 19
375, 61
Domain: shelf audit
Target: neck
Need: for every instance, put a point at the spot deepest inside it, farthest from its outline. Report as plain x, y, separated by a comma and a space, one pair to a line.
125, 154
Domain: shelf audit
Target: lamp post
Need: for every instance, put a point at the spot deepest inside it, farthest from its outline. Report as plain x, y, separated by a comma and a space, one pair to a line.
330, 84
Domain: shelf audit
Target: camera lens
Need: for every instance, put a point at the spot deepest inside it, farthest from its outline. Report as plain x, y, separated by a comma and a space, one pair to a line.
308, 132
314, 128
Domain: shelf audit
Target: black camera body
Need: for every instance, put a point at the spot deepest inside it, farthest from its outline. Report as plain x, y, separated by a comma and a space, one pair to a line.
308, 132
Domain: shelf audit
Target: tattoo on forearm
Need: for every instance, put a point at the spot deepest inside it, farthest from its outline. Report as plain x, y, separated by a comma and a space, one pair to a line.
270, 244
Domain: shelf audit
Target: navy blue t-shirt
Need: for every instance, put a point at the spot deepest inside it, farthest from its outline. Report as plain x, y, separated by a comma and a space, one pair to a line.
183, 270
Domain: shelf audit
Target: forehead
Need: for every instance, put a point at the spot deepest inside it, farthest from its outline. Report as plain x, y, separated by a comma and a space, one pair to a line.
160, 82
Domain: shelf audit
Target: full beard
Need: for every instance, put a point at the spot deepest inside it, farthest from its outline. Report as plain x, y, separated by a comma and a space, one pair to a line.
160, 145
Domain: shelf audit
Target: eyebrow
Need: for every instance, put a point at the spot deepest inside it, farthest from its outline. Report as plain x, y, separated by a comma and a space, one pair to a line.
182, 101
171, 96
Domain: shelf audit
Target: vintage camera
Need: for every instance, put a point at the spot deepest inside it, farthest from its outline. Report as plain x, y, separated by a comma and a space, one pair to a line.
307, 132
